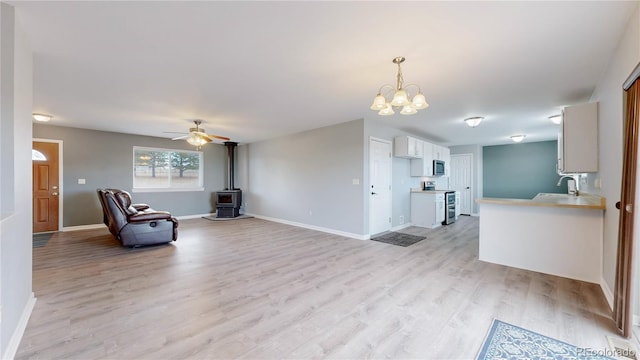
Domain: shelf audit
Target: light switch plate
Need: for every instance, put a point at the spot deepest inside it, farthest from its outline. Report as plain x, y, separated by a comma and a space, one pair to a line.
82, 181
356, 181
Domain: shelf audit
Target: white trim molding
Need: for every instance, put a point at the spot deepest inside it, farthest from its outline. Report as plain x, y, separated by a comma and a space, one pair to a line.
16, 337
197, 216
99, 226
83, 227
608, 294
312, 227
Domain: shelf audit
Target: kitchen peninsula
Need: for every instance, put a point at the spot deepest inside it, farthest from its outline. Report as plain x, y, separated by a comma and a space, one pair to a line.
555, 234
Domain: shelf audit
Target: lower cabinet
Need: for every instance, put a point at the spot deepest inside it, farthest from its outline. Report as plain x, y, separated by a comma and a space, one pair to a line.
427, 209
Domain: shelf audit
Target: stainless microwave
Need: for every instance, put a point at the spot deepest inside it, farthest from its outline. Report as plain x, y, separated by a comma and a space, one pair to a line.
438, 167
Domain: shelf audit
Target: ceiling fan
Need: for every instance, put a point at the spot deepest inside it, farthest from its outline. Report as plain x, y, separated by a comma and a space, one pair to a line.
197, 136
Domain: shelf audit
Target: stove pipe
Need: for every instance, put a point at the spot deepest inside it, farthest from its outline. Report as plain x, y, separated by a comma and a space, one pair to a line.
231, 147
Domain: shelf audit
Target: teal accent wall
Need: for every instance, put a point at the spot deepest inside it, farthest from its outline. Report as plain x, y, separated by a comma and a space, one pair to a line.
521, 171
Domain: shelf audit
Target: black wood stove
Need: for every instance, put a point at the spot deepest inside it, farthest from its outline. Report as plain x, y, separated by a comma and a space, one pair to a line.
228, 201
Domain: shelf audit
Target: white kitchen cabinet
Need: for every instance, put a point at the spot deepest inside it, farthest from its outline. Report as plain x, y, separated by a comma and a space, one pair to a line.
437, 152
446, 157
578, 139
440, 212
427, 209
408, 147
423, 166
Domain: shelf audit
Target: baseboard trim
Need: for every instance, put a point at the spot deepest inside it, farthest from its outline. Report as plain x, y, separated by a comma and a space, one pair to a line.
99, 226
197, 216
14, 341
400, 227
312, 227
608, 294
84, 227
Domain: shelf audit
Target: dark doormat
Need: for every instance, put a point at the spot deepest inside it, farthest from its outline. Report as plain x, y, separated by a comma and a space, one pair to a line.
40, 240
213, 218
400, 239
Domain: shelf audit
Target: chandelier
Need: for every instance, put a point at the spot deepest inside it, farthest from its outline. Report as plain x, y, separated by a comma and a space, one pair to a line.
384, 104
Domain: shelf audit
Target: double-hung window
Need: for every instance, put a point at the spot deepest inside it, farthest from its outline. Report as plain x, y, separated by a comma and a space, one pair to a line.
167, 170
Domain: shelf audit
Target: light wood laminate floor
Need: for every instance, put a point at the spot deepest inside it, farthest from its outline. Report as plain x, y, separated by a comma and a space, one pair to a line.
261, 290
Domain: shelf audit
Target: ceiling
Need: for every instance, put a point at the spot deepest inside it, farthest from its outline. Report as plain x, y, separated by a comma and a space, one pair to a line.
257, 70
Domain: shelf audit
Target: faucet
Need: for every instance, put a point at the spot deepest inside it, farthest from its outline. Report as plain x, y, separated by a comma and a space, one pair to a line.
576, 180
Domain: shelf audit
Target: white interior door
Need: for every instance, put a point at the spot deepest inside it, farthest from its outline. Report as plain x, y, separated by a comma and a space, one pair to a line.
460, 180
380, 187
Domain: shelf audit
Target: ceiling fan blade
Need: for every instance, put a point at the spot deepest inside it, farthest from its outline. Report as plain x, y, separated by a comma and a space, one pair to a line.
218, 137
174, 132
180, 137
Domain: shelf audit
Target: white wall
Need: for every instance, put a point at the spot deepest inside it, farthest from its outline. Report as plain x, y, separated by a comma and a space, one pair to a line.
402, 181
16, 297
476, 189
610, 95
307, 178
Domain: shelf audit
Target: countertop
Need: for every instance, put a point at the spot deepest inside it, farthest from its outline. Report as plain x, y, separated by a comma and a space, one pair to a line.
417, 190
584, 201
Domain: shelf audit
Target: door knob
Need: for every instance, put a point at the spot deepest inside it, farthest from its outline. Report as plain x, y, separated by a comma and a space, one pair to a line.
628, 208
54, 187
618, 205
54, 193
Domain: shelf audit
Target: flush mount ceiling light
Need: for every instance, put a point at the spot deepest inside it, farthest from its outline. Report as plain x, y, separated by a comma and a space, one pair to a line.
556, 119
384, 104
474, 121
518, 138
41, 117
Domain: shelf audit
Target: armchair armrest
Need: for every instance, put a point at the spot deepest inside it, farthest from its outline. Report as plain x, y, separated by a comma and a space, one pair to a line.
140, 207
143, 217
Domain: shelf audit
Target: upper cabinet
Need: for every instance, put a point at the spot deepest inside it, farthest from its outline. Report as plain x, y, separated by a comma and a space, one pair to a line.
578, 139
424, 165
408, 147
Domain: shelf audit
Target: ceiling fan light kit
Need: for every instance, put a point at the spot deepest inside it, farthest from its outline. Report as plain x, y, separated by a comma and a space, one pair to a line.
398, 96
198, 136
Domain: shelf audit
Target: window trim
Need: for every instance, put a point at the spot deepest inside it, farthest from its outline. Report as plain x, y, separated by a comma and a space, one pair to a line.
169, 188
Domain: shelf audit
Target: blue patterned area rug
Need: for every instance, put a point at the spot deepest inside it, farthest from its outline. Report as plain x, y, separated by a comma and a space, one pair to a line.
506, 341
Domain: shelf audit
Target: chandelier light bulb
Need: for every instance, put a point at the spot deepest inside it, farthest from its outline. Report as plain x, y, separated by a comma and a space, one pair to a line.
420, 102
408, 110
379, 102
386, 111
400, 98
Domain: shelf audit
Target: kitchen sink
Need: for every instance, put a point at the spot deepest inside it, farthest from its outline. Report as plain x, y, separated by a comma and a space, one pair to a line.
555, 194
